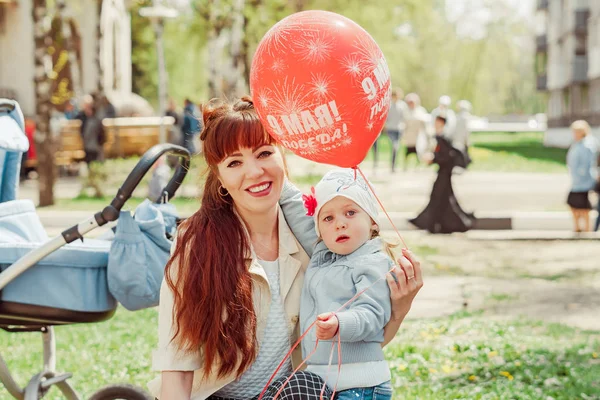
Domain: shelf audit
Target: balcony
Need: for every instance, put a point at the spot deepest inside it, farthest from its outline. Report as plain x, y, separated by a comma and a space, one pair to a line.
541, 43
542, 5
581, 22
580, 69
542, 82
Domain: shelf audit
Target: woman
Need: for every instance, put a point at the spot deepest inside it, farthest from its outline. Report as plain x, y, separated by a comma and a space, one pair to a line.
581, 161
230, 300
443, 214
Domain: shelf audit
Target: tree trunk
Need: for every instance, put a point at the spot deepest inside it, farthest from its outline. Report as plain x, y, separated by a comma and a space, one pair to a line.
99, 39
235, 82
227, 48
68, 35
215, 83
245, 56
44, 140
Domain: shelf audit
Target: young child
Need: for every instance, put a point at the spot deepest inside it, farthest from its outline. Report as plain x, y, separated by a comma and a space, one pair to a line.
348, 258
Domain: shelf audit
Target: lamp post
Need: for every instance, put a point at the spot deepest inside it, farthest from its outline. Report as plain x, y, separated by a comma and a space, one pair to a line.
157, 15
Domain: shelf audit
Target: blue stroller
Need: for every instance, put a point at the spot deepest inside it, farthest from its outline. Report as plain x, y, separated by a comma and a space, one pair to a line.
59, 281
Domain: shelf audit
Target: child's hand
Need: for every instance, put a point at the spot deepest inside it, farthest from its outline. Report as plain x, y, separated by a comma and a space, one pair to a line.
327, 326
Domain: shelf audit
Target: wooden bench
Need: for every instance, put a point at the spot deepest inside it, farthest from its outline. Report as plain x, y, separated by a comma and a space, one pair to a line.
125, 137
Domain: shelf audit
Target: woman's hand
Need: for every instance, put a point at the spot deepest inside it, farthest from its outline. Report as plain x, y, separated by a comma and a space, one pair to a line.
408, 282
403, 289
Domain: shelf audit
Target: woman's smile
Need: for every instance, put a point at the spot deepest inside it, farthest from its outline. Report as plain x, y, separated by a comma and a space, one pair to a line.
260, 189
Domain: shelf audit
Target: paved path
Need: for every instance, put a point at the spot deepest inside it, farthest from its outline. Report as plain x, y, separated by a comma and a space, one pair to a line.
408, 191
530, 201
538, 299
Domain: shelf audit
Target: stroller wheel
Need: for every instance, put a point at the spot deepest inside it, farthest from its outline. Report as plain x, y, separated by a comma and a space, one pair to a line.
121, 392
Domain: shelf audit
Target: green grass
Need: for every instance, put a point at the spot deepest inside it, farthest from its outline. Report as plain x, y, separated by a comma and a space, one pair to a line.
471, 357
502, 297
464, 356
499, 152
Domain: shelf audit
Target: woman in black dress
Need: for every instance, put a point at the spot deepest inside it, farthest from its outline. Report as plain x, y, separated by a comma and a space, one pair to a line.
443, 214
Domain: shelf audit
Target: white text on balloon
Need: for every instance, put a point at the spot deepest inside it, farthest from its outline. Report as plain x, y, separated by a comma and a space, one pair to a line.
322, 116
322, 138
381, 72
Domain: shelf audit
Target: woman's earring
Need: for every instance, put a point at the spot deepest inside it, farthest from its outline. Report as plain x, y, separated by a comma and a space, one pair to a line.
221, 192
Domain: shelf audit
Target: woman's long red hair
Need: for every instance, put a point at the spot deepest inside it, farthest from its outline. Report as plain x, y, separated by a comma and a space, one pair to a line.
208, 274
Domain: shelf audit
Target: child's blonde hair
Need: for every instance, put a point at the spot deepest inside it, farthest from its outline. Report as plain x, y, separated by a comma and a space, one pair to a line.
388, 246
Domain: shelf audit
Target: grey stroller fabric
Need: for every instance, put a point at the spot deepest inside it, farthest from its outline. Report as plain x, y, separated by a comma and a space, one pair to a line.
139, 253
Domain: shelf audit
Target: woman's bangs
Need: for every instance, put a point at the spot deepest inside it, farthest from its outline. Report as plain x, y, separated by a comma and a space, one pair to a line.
245, 131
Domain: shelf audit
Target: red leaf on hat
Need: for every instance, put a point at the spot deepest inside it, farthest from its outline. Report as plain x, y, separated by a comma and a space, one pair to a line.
310, 202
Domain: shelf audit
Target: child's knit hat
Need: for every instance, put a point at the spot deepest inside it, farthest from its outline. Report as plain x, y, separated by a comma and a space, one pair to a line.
341, 182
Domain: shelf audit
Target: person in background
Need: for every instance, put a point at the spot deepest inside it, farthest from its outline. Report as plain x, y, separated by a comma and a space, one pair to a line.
175, 135
444, 110
594, 144
597, 225
191, 125
394, 125
104, 108
92, 131
415, 124
93, 137
443, 214
462, 133
71, 110
582, 163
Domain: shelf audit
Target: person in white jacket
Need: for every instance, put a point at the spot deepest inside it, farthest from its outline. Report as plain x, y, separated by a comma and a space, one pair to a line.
462, 132
444, 110
415, 125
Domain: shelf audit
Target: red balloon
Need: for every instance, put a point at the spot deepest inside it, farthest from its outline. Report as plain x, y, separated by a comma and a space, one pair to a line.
321, 87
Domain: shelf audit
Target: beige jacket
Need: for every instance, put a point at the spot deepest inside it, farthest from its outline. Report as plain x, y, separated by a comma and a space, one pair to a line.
293, 261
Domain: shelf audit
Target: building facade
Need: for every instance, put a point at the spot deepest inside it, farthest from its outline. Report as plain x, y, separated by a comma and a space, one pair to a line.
17, 48
568, 64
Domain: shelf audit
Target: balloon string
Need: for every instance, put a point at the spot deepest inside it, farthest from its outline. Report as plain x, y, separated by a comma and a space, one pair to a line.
289, 353
294, 371
381, 205
339, 343
346, 304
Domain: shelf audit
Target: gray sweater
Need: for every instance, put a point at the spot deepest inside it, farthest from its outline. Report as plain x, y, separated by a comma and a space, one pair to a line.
330, 281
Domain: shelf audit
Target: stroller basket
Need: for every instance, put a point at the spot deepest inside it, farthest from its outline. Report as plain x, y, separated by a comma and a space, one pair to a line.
68, 286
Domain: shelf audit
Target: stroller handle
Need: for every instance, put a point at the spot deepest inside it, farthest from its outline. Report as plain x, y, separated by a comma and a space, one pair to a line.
111, 212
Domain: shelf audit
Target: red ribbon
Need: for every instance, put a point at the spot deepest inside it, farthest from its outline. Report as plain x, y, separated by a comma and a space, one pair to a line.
339, 342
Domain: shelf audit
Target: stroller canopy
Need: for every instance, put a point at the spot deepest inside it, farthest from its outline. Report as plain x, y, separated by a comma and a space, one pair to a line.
13, 143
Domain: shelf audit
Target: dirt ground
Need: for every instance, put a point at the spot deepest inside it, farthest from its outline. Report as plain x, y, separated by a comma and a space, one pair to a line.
554, 280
